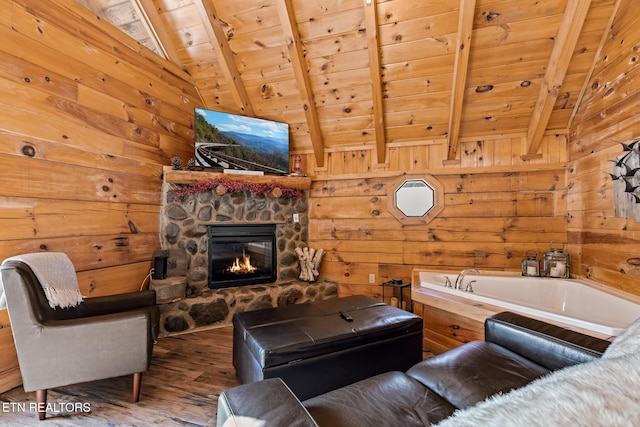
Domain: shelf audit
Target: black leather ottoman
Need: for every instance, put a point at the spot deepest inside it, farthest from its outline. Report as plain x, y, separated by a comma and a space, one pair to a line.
320, 346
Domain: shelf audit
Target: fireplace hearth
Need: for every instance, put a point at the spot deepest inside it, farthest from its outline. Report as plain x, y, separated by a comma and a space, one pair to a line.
241, 254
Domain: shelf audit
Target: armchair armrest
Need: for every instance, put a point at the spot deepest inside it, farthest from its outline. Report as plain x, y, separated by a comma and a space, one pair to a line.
268, 402
549, 345
96, 306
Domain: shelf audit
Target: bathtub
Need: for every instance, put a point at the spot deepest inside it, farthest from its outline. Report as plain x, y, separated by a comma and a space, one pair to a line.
567, 301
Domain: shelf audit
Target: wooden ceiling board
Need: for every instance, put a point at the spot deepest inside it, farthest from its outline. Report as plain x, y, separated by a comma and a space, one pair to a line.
418, 49
421, 86
509, 54
339, 79
419, 68
403, 10
514, 33
511, 44
185, 37
245, 21
329, 25
502, 92
426, 118
522, 72
311, 10
500, 12
328, 48
341, 62
418, 28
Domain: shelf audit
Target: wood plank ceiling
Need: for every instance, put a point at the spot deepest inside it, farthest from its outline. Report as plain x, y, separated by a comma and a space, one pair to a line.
354, 73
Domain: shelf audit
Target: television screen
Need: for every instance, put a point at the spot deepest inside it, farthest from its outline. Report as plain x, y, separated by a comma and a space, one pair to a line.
234, 142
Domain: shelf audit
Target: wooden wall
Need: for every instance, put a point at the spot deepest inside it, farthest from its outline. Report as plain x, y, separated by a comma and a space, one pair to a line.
606, 247
496, 207
87, 121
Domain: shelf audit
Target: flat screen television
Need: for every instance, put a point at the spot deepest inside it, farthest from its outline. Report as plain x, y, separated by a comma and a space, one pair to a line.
238, 143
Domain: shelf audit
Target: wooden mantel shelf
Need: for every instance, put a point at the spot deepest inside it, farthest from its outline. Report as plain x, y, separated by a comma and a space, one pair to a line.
173, 176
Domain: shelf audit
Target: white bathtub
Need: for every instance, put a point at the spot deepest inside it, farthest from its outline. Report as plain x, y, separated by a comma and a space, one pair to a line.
562, 300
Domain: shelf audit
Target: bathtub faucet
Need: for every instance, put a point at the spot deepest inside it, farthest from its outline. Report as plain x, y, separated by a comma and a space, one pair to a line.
460, 278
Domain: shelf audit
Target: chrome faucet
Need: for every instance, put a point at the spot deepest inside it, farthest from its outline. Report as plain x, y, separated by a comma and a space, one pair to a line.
447, 282
460, 278
469, 288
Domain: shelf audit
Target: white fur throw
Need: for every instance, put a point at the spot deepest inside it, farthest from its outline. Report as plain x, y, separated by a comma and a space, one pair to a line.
628, 342
57, 277
605, 392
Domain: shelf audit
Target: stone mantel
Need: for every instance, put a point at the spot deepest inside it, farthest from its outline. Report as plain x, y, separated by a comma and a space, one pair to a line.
173, 176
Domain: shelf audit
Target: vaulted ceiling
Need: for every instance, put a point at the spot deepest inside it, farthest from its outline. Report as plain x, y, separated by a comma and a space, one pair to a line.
354, 73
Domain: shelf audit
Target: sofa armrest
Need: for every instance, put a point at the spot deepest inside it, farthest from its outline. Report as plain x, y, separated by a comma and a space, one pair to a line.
268, 402
549, 345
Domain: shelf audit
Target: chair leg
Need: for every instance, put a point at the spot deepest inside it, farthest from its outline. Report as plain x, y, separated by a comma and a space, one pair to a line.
41, 400
137, 381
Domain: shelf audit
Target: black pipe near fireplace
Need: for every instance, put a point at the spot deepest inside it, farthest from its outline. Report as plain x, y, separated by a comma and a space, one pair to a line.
241, 254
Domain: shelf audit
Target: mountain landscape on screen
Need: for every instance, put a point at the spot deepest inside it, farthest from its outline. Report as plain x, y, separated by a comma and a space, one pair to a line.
234, 142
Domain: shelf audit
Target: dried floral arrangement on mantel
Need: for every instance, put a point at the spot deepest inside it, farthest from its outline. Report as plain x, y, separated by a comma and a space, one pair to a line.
222, 186
186, 182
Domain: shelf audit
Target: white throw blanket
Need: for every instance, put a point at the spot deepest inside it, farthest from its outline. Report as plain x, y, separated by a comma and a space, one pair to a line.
605, 392
57, 276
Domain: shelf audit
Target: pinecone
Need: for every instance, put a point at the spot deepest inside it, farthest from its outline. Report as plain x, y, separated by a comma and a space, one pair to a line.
176, 162
191, 164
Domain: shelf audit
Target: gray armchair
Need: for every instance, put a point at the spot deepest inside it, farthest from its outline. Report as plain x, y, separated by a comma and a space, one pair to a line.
101, 337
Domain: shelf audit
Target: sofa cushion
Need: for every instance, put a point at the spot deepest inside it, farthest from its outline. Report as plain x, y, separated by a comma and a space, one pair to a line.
470, 373
604, 392
375, 401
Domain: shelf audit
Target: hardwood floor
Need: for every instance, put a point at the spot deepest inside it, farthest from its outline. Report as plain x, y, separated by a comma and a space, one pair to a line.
187, 374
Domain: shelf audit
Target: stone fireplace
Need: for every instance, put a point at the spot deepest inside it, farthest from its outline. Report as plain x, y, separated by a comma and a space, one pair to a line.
187, 223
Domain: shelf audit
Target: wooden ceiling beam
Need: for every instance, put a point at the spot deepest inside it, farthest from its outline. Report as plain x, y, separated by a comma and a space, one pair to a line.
152, 22
224, 55
300, 69
371, 25
570, 27
606, 34
463, 49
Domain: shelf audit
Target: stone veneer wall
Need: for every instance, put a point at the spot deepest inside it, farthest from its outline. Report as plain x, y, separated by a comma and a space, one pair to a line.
183, 225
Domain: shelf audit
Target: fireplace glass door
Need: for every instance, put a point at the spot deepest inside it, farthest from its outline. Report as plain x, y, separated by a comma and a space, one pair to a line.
242, 254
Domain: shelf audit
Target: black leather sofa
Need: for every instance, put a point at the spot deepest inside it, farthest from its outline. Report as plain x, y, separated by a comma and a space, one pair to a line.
516, 351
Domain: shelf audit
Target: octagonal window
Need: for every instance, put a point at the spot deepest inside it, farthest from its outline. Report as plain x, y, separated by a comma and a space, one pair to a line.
414, 198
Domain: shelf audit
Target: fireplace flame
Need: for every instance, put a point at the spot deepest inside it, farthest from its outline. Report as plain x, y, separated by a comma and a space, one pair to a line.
242, 267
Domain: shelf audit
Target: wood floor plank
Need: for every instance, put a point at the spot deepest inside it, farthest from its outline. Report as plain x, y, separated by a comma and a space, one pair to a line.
187, 374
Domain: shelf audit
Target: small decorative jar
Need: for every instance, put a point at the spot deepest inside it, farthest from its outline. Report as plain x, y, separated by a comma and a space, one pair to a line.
531, 265
556, 262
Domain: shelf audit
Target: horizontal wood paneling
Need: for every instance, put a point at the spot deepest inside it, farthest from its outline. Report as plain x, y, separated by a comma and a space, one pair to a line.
605, 247
88, 119
9, 371
489, 220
